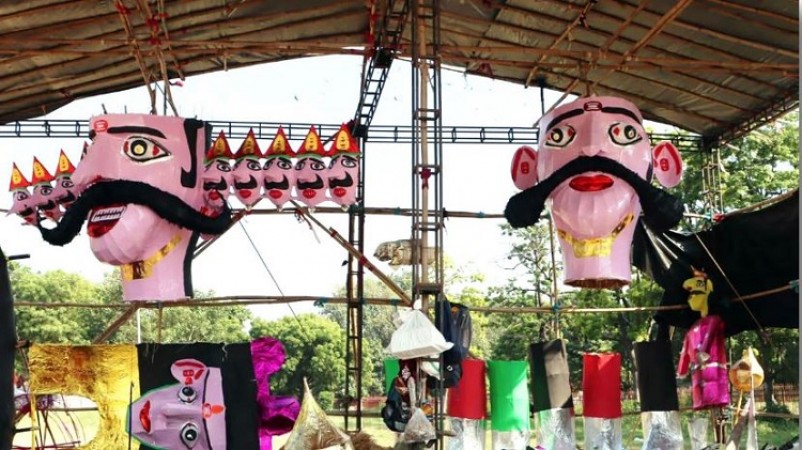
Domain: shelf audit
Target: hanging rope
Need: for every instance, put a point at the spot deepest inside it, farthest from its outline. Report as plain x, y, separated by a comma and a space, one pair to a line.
124, 14
738, 297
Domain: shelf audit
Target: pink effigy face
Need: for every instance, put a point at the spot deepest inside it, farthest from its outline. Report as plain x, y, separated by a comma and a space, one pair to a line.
45, 200
310, 171
23, 206
595, 213
64, 191
189, 414
217, 180
279, 178
342, 179
247, 180
139, 188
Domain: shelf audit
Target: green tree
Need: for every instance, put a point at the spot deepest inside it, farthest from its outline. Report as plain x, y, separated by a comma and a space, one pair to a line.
315, 347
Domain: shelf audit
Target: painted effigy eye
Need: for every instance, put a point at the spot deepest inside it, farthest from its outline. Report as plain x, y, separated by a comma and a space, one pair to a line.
284, 164
189, 434
254, 165
317, 165
349, 162
223, 166
20, 196
300, 164
624, 134
560, 136
187, 394
46, 190
67, 183
141, 149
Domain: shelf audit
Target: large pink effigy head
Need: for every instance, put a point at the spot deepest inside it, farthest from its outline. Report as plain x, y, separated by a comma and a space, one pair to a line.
595, 211
139, 188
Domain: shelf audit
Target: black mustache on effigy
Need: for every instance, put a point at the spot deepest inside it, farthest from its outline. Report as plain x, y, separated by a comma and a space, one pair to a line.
661, 210
106, 193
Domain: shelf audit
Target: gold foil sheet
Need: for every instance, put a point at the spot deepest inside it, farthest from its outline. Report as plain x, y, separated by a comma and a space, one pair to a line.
106, 374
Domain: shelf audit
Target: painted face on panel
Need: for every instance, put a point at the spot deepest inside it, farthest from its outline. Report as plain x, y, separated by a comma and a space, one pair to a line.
248, 171
279, 175
343, 174
43, 195
217, 177
22, 204
187, 415
595, 211
310, 171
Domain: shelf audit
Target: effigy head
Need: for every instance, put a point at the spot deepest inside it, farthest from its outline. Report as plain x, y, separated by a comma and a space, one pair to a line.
139, 186
189, 414
43, 195
594, 165
22, 203
64, 190
343, 173
279, 175
248, 171
217, 175
310, 171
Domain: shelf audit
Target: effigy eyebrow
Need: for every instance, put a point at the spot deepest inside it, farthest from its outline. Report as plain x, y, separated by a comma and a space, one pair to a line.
135, 129
623, 111
564, 116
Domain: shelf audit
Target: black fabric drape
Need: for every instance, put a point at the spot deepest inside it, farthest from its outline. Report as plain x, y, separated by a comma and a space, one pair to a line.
758, 251
8, 342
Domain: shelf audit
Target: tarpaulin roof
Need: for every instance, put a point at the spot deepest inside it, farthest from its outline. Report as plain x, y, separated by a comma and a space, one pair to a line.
753, 255
716, 67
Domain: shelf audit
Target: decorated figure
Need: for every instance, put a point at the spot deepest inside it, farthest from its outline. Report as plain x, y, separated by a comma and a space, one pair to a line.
247, 171
310, 171
139, 187
343, 173
217, 176
594, 166
64, 191
279, 176
22, 203
703, 354
43, 196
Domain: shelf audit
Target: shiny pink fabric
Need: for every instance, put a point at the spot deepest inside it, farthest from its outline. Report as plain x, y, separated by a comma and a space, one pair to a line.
276, 414
708, 378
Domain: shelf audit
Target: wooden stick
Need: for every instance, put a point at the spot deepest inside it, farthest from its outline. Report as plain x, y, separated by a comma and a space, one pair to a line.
124, 317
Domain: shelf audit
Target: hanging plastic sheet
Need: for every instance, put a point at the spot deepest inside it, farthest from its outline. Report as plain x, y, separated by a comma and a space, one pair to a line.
470, 434
657, 390
314, 430
601, 382
417, 337
697, 430
551, 393
509, 404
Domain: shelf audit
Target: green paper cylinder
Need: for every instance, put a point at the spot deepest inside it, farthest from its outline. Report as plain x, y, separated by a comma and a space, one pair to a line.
509, 395
391, 369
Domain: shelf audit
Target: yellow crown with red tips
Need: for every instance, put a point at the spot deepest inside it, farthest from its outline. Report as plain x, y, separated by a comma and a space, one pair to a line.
65, 166
343, 142
219, 149
312, 145
18, 180
280, 146
249, 147
40, 174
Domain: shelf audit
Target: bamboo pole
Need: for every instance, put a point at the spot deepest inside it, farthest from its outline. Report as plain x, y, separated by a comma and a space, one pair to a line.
120, 321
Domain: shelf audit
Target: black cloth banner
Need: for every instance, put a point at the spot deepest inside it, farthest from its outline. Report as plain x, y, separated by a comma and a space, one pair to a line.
239, 383
657, 383
8, 344
758, 251
551, 387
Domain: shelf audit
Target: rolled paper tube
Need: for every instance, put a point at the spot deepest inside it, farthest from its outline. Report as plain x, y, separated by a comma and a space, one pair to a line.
468, 399
601, 382
550, 376
391, 369
509, 395
657, 383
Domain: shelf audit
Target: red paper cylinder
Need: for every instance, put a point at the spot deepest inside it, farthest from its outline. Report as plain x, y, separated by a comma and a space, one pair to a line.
601, 384
468, 399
